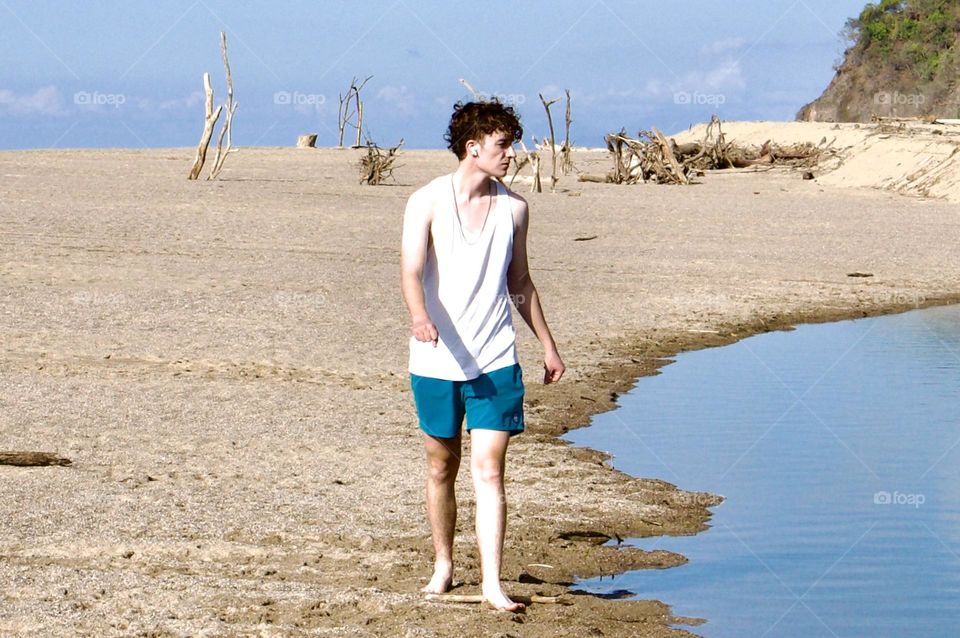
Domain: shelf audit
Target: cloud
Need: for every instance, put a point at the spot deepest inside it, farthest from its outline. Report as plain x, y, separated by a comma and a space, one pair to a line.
189, 102
43, 101
724, 78
719, 47
400, 98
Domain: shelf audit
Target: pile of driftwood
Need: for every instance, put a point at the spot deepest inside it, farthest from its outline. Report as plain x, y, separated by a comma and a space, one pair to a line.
653, 158
378, 164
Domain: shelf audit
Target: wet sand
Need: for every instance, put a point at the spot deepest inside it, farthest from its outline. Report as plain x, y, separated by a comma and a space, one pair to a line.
224, 362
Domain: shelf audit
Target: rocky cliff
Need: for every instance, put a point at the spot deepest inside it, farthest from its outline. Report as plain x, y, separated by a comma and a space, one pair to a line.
901, 62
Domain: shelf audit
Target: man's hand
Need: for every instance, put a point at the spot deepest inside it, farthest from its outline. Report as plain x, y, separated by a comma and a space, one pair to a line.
553, 367
424, 330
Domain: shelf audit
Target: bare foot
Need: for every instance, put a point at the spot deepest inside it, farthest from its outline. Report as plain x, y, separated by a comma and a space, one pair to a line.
496, 599
441, 581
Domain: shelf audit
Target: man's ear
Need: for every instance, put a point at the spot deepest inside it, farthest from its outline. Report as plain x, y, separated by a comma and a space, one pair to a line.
472, 147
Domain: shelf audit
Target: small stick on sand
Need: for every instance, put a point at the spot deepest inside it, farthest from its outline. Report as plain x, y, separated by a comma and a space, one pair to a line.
32, 459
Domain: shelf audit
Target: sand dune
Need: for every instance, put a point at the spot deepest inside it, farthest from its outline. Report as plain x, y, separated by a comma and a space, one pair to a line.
912, 158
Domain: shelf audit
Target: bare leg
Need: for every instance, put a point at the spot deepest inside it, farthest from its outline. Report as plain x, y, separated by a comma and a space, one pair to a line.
487, 458
443, 463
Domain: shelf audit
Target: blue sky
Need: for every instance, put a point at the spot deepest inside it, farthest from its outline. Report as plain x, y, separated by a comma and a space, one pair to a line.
115, 73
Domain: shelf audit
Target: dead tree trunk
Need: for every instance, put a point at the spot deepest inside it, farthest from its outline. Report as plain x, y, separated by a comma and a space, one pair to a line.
227, 128
342, 116
566, 159
671, 160
307, 141
476, 94
532, 158
553, 142
359, 120
344, 113
209, 121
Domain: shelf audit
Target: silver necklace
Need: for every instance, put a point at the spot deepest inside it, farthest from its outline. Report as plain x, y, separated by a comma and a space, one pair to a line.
456, 208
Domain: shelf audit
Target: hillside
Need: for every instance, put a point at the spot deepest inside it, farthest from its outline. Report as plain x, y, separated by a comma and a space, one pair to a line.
901, 62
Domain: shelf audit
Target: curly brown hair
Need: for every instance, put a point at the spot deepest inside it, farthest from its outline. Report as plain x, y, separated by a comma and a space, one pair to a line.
473, 120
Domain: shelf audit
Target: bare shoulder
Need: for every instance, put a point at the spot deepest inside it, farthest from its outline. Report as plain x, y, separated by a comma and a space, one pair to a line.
519, 208
423, 200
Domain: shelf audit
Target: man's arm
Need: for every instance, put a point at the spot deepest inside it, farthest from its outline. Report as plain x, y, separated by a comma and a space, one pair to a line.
413, 255
524, 293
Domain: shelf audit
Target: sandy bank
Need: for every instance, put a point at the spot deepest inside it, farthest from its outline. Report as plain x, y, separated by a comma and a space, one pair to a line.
224, 362
909, 158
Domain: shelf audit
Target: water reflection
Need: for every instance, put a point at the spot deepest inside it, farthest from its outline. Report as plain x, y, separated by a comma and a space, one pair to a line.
837, 448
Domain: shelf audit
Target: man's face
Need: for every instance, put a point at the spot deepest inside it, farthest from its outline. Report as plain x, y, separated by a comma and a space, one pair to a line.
495, 153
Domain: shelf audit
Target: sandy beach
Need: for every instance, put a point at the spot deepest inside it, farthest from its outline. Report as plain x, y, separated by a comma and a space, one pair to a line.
225, 364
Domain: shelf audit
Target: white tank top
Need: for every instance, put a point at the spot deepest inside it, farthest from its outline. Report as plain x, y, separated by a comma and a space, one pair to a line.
465, 289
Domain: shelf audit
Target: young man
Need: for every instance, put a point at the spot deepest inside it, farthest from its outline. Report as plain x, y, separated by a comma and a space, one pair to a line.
463, 259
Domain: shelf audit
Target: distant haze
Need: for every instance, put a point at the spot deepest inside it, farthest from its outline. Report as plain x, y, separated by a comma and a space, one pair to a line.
128, 74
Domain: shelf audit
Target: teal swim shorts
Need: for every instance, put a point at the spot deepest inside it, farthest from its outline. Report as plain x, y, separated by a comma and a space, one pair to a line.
492, 401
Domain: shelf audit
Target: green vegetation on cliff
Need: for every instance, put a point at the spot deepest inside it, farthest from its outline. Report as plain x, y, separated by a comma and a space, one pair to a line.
902, 61
911, 35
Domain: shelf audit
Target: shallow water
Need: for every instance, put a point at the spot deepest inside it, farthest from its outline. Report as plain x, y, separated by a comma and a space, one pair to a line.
837, 447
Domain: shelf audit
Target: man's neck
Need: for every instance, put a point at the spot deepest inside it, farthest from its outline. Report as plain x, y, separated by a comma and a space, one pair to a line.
471, 183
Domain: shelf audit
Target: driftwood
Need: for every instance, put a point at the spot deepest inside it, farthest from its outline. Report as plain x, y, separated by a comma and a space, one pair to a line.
566, 160
477, 95
532, 158
378, 164
32, 459
599, 179
920, 119
518, 165
227, 128
359, 120
654, 158
675, 170
307, 141
344, 114
529, 158
526, 600
553, 142
209, 121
